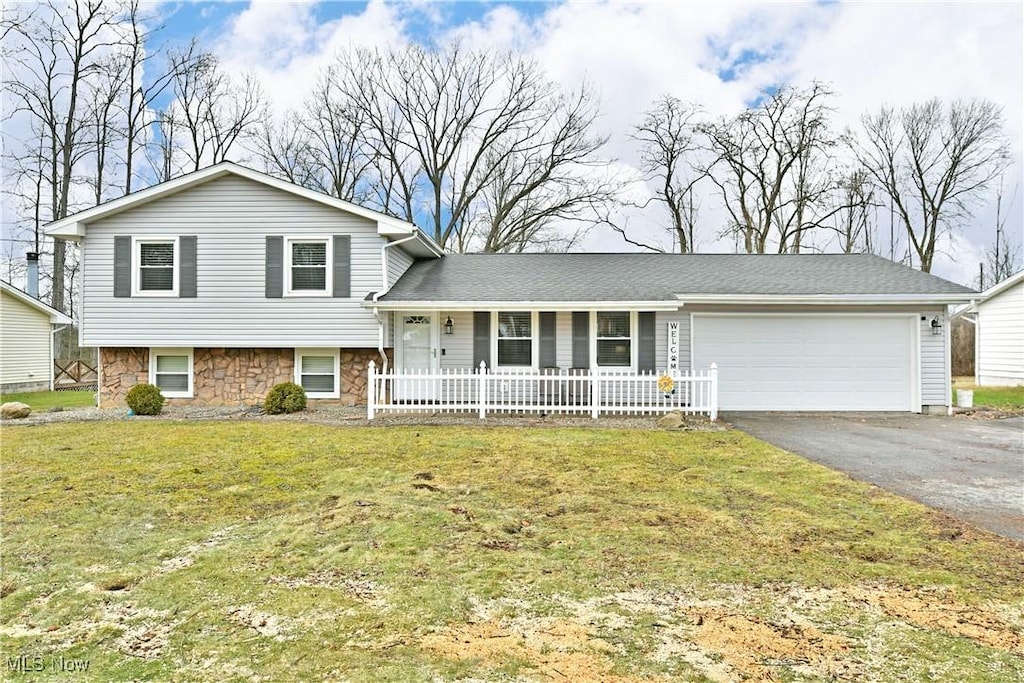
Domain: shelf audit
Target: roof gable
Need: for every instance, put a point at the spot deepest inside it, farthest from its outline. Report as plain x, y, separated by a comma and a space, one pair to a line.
1000, 287
55, 316
74, 226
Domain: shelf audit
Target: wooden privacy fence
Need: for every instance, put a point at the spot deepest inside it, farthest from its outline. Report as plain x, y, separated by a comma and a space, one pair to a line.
551, 391
73, 374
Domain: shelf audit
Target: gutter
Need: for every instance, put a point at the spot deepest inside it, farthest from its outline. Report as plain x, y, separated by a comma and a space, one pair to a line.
827, 299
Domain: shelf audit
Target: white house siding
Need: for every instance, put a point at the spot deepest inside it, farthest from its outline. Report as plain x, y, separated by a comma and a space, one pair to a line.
935, 377
1001, 338
457, 348
25, 351
231, 218
398, 263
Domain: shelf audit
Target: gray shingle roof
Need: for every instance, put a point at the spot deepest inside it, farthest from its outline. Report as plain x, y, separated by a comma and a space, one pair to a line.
657, 277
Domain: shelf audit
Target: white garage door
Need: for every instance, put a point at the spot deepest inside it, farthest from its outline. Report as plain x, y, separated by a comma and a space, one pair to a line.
809, 362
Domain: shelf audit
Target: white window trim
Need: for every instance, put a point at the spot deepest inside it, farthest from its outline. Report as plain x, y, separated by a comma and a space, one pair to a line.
633, 343
334, 353
329, 275
153, 353
137, 243
534, 341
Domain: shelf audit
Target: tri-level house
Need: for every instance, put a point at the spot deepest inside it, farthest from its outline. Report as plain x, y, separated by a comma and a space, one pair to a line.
219, 284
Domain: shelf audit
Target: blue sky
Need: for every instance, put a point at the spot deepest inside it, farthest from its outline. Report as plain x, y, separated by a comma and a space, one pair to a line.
721, 55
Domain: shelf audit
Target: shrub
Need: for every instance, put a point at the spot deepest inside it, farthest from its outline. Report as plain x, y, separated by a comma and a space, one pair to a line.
286, 397
145, 399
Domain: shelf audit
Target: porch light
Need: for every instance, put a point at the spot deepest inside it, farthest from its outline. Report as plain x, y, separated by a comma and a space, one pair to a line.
936, 326
449, 326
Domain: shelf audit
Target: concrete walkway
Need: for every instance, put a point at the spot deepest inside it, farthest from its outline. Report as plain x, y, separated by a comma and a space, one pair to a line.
972, 469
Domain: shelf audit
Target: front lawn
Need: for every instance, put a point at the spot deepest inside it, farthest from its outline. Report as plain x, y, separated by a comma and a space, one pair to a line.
1002, 398
194, 551
40, 401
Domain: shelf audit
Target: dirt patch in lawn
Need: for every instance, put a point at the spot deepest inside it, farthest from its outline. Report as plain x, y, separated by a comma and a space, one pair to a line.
559, 649
724, 634
932, 609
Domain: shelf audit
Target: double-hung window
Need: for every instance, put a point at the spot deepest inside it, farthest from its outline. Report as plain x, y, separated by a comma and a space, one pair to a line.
308, 266
515, 339
170, 370
317, 371
614, 343
156, 272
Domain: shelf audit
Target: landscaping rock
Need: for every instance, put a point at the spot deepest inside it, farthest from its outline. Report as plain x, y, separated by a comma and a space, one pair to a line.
14, 411
671, 420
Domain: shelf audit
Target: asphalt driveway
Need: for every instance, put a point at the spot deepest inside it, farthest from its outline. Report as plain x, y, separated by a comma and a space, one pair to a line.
971, 468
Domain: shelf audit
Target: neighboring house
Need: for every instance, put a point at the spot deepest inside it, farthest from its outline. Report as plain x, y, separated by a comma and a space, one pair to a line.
26, 340
219, 284
999, 334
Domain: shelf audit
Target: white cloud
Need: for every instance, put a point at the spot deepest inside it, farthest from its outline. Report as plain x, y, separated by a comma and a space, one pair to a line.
717, 54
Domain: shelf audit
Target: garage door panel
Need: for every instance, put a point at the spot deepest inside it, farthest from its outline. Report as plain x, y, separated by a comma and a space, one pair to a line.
825, 362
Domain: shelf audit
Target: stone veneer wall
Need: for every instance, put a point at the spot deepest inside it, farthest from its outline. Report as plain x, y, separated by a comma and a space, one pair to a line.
119, 371
354, 364
229, 376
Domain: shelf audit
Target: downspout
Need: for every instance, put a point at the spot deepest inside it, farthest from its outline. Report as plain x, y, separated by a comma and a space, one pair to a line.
384, 290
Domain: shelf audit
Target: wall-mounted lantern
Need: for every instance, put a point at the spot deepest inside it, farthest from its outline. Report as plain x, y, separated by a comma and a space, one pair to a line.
449, 326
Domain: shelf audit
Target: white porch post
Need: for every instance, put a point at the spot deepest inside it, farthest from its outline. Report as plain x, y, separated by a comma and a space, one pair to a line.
371, 389
714, 392
481, 392
595, 392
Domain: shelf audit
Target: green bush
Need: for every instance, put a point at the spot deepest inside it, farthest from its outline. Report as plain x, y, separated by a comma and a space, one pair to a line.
286, 397
145, 399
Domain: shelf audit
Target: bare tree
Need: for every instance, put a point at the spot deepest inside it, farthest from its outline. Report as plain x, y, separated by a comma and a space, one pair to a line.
56, 49
668, 155
141, 91
484, 145
934, 161
1003, 258
321, 145
854, 195
772, 168
213, 111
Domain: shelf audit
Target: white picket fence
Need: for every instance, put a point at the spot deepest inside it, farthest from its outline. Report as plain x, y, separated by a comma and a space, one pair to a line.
484, 391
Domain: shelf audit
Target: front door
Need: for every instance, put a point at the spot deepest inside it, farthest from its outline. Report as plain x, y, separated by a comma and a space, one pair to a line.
416, 354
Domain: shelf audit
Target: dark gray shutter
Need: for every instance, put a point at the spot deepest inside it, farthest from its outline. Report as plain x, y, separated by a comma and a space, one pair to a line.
646, 355
481, 338
581, 339
122, 266
342, 266
187, 267
274, 282
547, 339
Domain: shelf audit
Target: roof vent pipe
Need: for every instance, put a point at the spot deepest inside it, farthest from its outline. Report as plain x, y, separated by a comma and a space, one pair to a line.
32, 279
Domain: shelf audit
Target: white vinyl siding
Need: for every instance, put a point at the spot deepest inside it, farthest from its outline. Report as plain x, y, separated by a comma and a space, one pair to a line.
231, 218
398, 263
25, 343
457, 348
563, 339
170, 370
1001, 338
318, 372
935, 377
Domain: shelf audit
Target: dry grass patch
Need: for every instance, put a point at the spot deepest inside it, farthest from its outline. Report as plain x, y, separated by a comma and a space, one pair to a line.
273, 551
